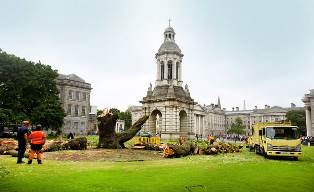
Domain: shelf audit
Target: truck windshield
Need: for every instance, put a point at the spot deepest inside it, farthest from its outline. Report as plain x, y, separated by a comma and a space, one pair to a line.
282, 133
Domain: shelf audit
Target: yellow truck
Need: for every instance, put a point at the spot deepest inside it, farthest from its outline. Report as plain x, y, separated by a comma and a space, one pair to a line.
275, 139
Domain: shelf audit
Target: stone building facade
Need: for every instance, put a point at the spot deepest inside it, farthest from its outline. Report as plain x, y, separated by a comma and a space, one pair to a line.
250, 117
120, 126
74, 93
309, 112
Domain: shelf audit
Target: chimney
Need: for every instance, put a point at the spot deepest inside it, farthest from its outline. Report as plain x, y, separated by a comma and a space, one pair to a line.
232, 108
266, 106
255, 106
237, 108
293, 105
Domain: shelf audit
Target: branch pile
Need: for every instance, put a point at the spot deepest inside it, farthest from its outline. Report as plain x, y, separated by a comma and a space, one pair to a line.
6, 145
184, 148
220, 147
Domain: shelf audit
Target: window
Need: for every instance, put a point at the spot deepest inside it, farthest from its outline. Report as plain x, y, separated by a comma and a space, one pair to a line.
169, 70
70, 95
76, 111
83, 125
69, 110
83, 110
282, 133
75, 125
77, 95
84, 96
162, 71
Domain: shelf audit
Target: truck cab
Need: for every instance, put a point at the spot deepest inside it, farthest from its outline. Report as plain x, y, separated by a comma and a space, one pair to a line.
275, 139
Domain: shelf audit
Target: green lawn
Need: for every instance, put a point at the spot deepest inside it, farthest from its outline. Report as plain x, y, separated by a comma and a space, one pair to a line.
232, 172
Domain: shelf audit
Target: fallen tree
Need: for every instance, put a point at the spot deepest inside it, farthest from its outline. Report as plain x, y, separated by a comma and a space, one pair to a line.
108, 138
184, 148
79, 143
177, 150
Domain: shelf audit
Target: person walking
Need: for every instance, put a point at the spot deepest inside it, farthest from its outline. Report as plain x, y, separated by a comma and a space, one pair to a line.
22, 141
37, 139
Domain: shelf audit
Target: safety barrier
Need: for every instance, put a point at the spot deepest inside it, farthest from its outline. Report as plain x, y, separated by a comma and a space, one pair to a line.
144, 140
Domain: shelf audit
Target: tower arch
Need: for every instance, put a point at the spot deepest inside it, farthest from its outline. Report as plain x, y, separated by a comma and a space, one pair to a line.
183, 123
155, 120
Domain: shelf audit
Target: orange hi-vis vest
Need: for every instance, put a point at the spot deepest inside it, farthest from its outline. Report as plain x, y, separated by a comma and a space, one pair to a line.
37, 137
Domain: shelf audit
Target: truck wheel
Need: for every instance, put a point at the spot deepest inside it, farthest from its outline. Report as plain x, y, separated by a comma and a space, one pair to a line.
295, 158
251, 149
257, 149
264, 153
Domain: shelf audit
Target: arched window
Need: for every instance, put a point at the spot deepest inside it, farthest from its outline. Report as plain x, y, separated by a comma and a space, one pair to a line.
169, 70
177, 70
162, 71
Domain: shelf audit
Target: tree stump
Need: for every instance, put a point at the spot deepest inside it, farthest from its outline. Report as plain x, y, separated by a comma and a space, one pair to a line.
109, 139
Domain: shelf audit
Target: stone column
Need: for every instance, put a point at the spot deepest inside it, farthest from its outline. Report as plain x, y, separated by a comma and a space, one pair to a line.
158, 71
308, 121
174, 69
166, 70
195, 124
199, 124
180, 71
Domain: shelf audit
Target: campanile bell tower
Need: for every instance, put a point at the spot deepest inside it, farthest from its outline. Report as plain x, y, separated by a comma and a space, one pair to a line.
169, 60
168, 104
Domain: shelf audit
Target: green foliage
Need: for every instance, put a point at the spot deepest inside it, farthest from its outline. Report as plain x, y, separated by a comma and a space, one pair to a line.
99, 112
114, 111
92, 140
127, 117
28, 91
237, 127
297, 118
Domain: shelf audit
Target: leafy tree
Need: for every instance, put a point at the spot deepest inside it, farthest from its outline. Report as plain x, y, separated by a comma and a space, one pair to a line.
127, 117
237, 127
28, 91
297, 118
99, 112
114, 111
49, 114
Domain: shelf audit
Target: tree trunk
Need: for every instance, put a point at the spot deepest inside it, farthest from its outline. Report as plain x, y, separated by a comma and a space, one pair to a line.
109, 139
185, 149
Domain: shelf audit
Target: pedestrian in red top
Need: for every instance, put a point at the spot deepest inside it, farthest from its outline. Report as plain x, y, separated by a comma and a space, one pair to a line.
37, 139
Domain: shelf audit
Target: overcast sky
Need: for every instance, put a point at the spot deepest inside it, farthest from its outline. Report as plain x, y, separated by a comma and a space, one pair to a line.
258, 51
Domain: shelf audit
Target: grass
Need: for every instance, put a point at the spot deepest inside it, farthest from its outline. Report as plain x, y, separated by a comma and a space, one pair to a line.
230, 172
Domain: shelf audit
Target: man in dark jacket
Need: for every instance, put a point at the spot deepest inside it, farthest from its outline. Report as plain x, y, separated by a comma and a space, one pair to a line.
22, 140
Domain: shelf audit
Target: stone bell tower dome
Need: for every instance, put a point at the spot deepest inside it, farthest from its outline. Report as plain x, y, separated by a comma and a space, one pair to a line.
169, 59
